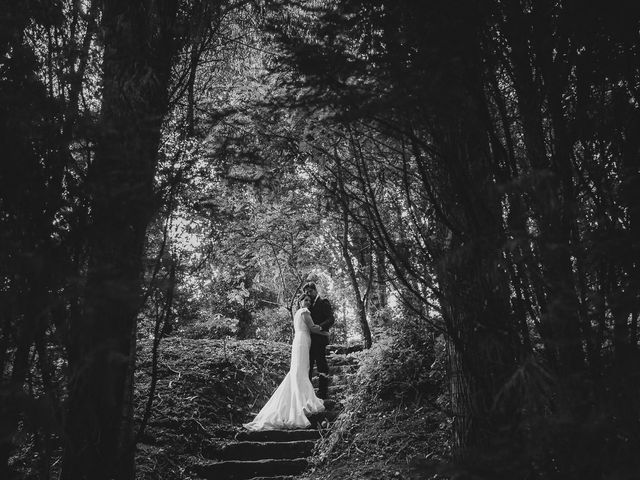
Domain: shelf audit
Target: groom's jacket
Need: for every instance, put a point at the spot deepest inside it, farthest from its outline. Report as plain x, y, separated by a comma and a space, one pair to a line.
322, 314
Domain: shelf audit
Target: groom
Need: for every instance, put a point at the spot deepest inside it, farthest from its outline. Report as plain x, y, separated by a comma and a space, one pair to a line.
321, 314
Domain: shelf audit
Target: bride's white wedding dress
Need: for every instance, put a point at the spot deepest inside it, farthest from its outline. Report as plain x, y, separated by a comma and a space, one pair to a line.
294, 399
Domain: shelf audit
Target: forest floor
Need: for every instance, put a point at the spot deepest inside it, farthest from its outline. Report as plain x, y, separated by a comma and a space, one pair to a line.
383, 440
398, 432
207, 388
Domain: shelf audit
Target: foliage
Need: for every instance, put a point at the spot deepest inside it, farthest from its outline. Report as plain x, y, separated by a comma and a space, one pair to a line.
273, 324
206, 389
475, 163
394, 416
54, 131
214, 327
383, 440
474, 146
405, 363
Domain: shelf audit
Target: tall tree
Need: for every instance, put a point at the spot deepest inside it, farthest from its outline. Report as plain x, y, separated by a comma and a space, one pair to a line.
32, 257
139, 41
506, 124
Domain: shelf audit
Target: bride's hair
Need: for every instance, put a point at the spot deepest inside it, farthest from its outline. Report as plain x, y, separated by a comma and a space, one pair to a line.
302, 297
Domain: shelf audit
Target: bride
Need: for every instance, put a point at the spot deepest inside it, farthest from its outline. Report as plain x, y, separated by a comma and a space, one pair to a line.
295, 398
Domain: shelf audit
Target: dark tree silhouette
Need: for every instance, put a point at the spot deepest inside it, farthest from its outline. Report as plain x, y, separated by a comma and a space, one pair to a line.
33, 260
139, 44
506, 126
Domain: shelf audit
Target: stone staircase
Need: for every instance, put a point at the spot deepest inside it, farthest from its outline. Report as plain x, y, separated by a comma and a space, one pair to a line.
281, 454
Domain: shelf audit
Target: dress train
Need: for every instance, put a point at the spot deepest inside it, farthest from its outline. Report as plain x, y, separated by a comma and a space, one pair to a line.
294, 399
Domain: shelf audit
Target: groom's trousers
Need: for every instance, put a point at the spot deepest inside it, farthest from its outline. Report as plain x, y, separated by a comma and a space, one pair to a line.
318, 356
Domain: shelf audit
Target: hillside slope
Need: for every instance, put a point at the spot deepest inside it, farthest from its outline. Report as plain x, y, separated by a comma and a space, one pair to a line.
205, 390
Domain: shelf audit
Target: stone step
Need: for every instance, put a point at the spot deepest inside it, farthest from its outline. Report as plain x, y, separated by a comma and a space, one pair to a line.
279, 477
317, 419
244, 470
344, 369
278, 435
339, 385
344, 349
333, 378
332, 404
339, 367
336, 392
342, 383
262, 450
339, 361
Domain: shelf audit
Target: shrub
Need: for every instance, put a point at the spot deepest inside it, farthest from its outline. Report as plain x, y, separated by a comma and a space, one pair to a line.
213, 327
405, 362
273, 324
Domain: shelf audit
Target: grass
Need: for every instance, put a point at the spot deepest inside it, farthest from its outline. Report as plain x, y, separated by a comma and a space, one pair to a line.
205, 391
397, 435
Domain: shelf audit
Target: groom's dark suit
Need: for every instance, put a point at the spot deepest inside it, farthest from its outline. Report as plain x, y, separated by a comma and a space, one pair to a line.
321, 314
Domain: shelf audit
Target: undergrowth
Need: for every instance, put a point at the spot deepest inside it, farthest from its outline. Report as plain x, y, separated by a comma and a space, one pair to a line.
205, 390
394, 412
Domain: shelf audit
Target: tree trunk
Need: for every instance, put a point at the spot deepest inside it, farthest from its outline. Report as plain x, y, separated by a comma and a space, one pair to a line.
626, 301
353, 278
551, 202
483, 350
138, 49
162, 320
475, 288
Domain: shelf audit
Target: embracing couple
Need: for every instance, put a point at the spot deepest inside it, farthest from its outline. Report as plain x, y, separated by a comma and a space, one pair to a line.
295, 399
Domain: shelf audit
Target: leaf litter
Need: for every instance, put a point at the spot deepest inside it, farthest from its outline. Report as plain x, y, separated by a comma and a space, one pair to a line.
205, 390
